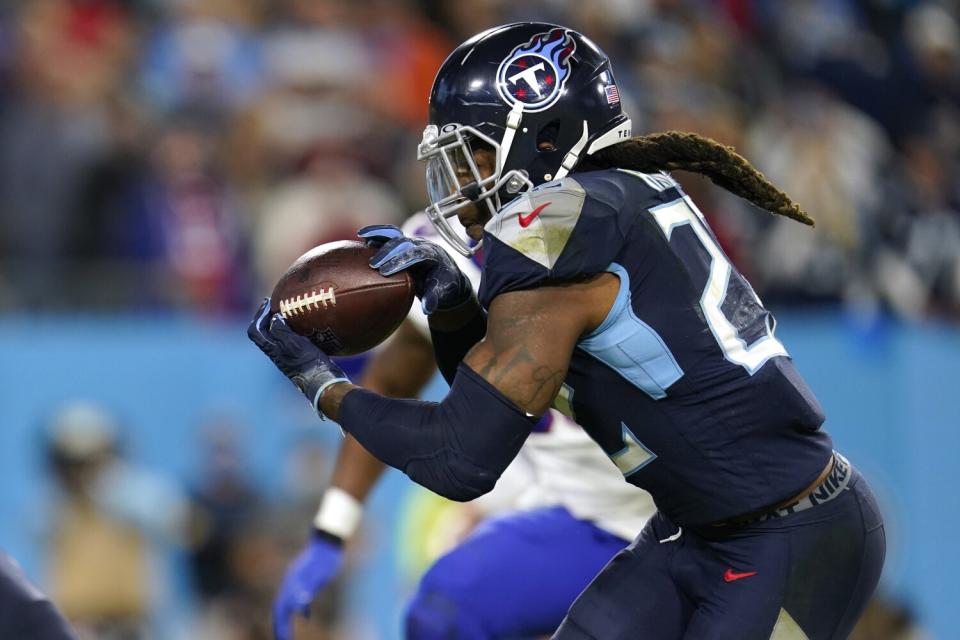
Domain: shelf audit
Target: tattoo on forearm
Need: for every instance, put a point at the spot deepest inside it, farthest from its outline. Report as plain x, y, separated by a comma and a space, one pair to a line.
487, 367
504, 362
522, 356
546, 380
538, 382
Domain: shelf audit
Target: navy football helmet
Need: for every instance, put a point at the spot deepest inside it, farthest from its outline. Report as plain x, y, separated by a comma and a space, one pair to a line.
540, 95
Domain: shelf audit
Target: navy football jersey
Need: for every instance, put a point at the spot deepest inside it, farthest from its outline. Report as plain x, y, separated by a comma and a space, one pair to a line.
684, 385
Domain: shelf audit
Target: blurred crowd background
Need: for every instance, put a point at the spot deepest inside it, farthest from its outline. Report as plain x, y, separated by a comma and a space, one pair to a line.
172, 157
187, 150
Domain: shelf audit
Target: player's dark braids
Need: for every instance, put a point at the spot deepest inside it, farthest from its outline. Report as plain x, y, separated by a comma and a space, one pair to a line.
680, 150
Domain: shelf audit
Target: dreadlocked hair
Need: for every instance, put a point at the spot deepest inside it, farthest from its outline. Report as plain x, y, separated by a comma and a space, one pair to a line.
680, 150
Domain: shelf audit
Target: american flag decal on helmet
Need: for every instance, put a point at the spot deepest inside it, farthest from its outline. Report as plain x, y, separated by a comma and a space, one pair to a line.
613, 94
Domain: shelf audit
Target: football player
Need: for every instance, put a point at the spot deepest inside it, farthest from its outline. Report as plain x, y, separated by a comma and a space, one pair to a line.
518, 573
604, 292
24, 611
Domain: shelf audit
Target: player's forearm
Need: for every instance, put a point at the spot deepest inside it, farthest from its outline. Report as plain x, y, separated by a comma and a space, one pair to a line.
454, 333
400, 369
457, 448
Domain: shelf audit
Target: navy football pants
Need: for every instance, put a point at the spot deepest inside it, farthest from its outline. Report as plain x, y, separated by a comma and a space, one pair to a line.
24, 611
819, 566
514, 577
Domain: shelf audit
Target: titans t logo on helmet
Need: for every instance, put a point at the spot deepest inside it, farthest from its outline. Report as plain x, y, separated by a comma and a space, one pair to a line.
534, 73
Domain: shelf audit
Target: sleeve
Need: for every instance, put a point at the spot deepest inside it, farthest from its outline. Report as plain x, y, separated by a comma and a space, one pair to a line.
419, 226
557, 232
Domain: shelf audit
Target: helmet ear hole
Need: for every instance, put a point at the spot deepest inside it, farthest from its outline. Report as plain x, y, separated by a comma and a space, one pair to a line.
547, 136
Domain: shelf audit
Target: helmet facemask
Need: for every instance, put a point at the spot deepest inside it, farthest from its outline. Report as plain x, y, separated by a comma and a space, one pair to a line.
454, 180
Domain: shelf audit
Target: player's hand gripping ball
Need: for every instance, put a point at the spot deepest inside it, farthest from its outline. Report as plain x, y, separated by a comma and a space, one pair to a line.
437, 280
332, 296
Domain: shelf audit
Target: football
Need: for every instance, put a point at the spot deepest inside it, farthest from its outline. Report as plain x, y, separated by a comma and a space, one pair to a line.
331, 295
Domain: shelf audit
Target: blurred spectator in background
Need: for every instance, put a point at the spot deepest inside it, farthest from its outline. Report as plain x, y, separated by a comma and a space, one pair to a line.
69, 61
205, 55
183, 228
916, 267
226, 551
318, 70
112, 523
187, 150
241, 542
224, 504
833, 156
328, 200
887, 619
307, 470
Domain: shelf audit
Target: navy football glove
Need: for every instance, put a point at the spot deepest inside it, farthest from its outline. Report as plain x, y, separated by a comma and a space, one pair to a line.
438, 282
310, 572
296, 356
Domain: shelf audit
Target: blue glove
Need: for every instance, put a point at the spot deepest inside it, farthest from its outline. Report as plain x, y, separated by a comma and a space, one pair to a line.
312, 570
438, 282
307, 366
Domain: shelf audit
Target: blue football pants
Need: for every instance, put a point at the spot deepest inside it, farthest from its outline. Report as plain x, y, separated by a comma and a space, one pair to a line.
815, 569
514, 577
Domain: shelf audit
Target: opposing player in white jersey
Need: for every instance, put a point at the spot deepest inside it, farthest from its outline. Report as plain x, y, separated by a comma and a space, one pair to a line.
516, 575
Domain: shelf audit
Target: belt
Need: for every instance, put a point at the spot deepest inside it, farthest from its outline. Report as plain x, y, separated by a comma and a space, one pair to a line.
831, 483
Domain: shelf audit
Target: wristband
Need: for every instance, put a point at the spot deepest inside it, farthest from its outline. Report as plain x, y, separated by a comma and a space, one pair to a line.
321, 389
339, 513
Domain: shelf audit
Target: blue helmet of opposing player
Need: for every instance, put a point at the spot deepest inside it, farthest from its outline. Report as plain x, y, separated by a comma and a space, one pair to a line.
539, 95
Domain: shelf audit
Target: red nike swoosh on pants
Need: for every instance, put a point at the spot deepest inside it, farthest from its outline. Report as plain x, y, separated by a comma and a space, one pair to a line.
730, 576
525, 220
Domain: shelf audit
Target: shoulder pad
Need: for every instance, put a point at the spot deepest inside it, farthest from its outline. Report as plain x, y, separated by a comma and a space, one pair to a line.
558, 232
539, 223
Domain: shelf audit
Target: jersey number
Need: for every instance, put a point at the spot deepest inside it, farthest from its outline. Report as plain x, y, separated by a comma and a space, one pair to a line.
634, 455
735, 349
631, 458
